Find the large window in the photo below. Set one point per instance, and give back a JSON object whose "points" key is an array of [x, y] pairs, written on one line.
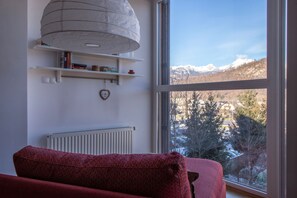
{"points": [[214, 85], [225, 126]]}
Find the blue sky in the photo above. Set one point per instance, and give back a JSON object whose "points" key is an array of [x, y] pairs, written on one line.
{"points": [[216, 31]]}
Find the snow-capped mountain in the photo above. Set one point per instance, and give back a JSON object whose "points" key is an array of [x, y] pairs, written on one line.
{"points": [[210, 68]]}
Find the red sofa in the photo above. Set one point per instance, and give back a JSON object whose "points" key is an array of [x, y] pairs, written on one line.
{"points": [[210, 183], [19, 187], [157, 180]]}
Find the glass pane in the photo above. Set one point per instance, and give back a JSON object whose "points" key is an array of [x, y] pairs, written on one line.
{"points": [[217, 40], [225, 126]]}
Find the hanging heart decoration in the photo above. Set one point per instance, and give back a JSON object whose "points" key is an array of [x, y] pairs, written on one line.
{"points": [[104, 94]]}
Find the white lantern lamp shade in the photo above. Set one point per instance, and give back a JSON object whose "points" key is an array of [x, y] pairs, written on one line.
{"points": [[95, 26]]}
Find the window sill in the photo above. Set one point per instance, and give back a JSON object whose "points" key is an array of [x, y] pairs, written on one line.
{"points": [[244, 191]]}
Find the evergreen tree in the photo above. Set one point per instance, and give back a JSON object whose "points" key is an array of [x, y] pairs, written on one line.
{"points": [[204, 134], [174, 124], [211, 124], [248, 136], [192, 142]]}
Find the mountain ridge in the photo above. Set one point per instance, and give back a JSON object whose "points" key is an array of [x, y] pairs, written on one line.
{"points": [[209, 68], [256, 69], [242, 70]]}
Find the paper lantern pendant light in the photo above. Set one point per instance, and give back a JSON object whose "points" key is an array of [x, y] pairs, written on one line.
{"points": [[95, 26]]}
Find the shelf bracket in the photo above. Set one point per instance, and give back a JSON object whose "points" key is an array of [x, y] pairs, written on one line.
{"points": [[118, 68], [58, 76]]}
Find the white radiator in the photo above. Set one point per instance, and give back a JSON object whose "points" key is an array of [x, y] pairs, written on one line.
{"points": [[95, 142]]}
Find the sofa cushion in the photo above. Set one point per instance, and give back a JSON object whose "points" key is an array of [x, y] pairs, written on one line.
{"points": [[152, 175]]}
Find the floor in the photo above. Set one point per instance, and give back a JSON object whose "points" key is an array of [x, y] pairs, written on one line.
{"points": [[231, 194]]}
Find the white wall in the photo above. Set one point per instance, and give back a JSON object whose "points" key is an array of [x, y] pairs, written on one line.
{"points": [[74, 104], [13, 80]]}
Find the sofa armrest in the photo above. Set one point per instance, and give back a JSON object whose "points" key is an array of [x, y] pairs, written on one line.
{"points": [[15, 187], [210, 183]]}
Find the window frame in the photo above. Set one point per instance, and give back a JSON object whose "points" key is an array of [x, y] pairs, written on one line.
{"points": [[275, 85]]}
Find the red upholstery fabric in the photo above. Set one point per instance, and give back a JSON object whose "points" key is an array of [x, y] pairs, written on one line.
{"points": [[151, 175], [210, 183], [18, 187]]}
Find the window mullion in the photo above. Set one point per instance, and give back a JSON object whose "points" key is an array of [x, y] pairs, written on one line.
{"points": [[165, 75], [228, 85], [275, 93]]}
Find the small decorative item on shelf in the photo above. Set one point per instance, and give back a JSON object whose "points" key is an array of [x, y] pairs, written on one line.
{"points": [[40, 42], [79, 66], [131, 71], [95, 68], [67, 60], [61, 59], [104, 68], [113, 69]]}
